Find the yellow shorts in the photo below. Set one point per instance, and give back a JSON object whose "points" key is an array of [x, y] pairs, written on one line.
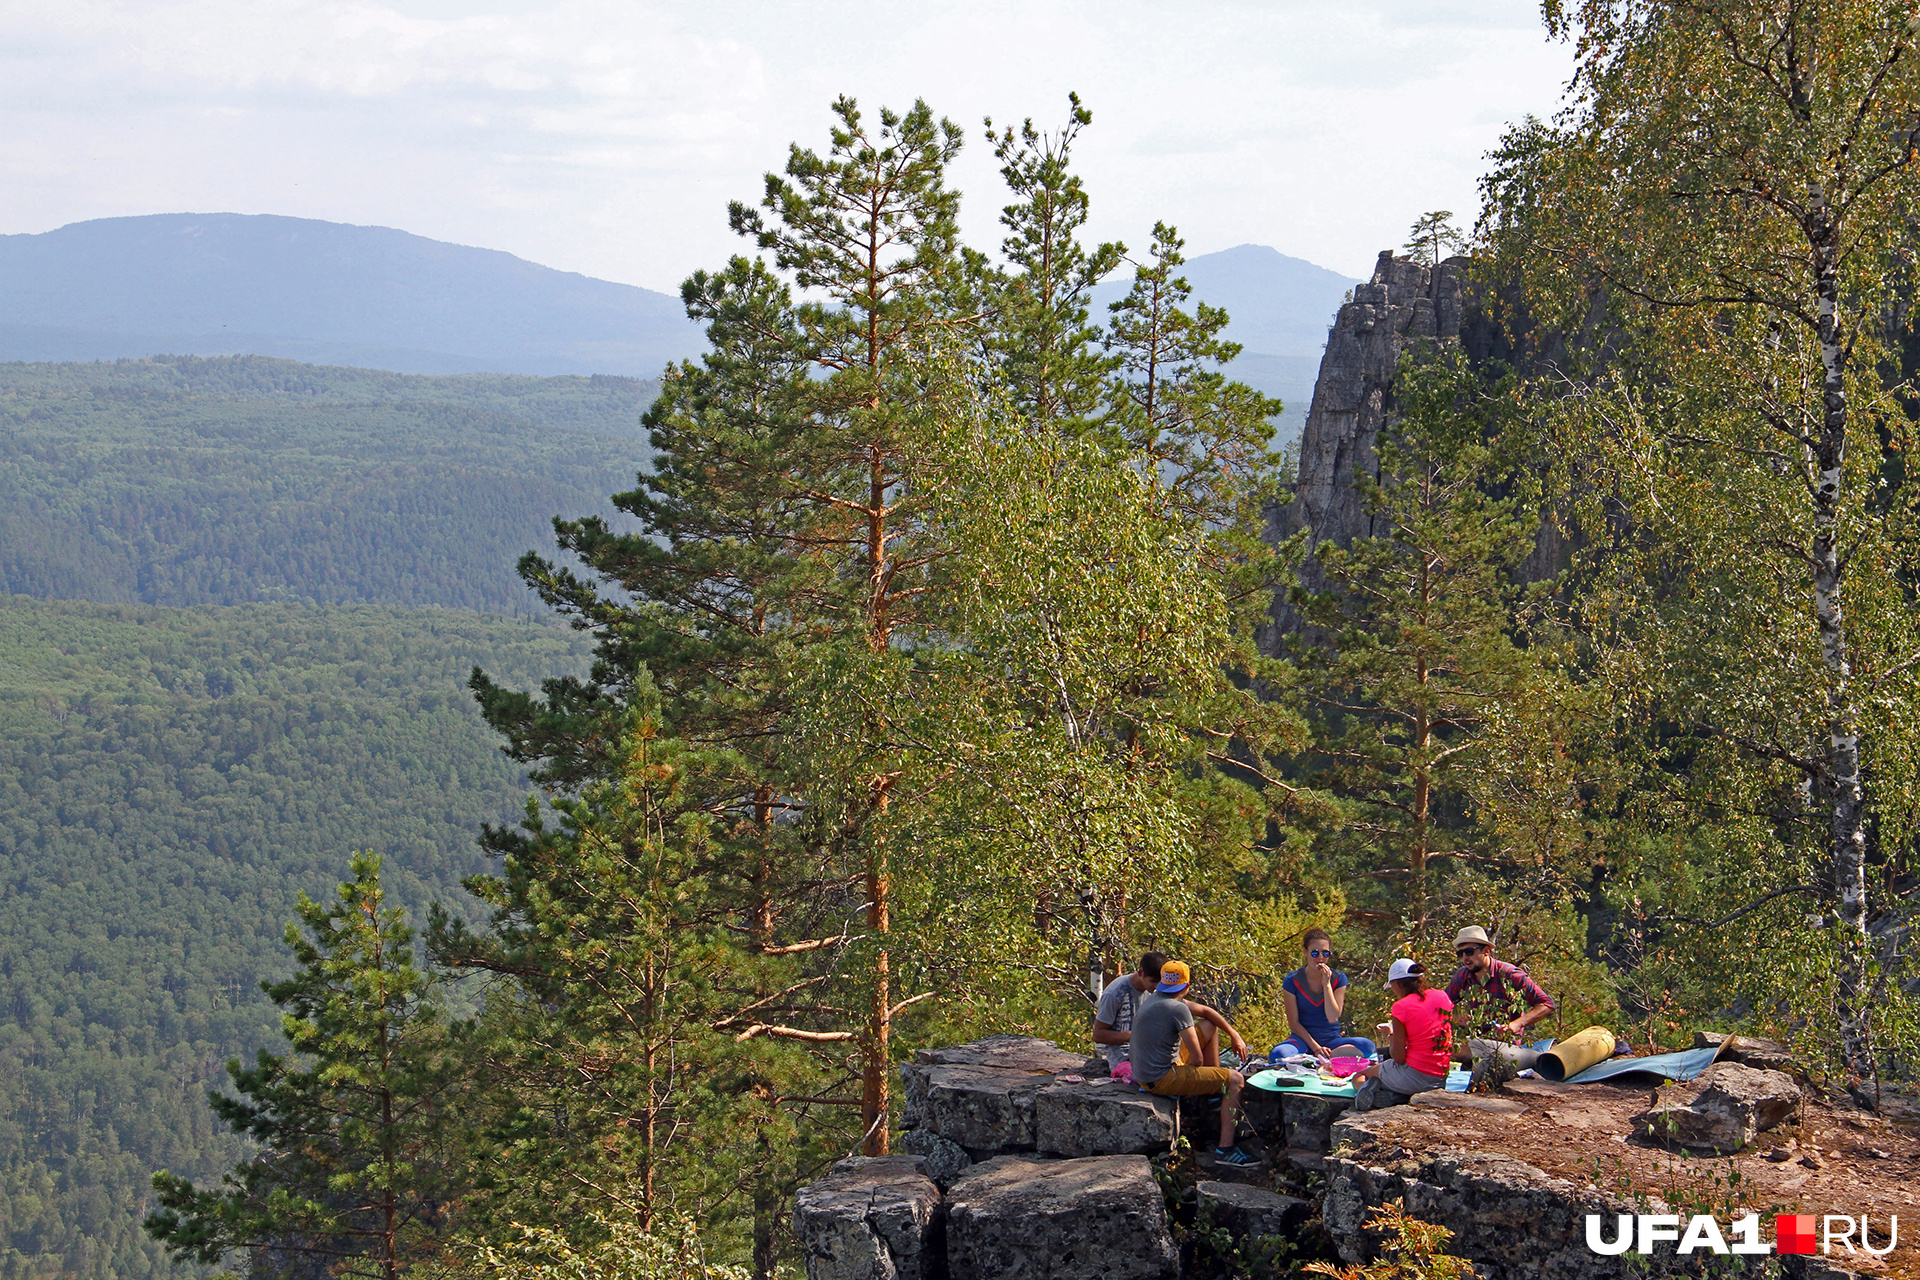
{"points": [[1191, 1082]]}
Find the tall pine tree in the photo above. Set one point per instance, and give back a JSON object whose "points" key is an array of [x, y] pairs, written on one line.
{"points": [[1038, 327]]}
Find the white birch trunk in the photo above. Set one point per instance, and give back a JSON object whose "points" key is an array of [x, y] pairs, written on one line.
{"points": [[1847, 833]]}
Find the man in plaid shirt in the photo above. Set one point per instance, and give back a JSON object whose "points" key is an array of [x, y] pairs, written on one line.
{"points": [[1495, 1000]]}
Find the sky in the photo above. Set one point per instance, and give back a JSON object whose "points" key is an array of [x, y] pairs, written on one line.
{"points": [[607, 138]]}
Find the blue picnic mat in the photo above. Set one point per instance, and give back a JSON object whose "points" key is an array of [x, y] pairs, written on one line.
{"points": [[1684, 1065], [1459, 1077], [1312, 1085]]}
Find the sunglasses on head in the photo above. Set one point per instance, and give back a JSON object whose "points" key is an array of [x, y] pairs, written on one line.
{"points": [[1317, 954]]}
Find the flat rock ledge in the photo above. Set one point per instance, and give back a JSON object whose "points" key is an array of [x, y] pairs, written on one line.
{"points": [[1512, 1220], [1095, 1218], [1009, 1172], [1003, 1095]]}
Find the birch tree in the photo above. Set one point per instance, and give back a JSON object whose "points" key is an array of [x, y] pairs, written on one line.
{"points": [[1733, 186]]}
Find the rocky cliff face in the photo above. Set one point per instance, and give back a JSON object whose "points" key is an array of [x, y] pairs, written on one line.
{"points": [[1404, 304]]}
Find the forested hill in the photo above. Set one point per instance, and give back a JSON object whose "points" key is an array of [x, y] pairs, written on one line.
{"points": [[321, 291], [185, 481], [169, 781]]}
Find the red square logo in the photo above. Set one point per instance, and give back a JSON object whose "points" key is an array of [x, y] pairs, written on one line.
{"points": [[1793, 1232]]}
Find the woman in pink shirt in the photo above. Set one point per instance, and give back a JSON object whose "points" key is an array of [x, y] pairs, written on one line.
{"points": [[1422, 1044]]}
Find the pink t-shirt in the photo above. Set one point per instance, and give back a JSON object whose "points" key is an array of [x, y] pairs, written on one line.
{"points": [[1428, 1018]]}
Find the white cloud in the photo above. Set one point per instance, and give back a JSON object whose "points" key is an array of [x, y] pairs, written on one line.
{"points": [[607, 137]]}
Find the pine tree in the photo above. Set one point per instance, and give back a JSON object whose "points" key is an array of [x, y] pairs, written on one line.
{"points": [[624, 1070], [1207, 438], [1433, 237], [783, 549], [354, 1173], [1038, 330], [1417, 658]]}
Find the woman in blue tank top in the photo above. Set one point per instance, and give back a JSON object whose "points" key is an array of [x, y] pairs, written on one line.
{"points": [[1316, 993]]}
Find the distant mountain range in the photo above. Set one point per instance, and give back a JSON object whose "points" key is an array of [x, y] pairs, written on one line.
{"points": [[374, 297], [323, 292]]}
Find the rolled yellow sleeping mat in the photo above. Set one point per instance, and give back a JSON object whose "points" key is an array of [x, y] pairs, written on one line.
{"points": [[1575, 1054]]}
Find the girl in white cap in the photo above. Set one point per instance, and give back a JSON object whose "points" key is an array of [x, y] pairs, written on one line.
{"points": [[1422, 1044]]}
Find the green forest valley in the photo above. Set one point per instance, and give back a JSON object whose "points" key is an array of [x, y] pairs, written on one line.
{"points": [[231, 480], [954, 645], [173, 779]]}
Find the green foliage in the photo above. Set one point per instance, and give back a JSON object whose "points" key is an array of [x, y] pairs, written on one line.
{"points": [[624, 1251], [353, 1170], [601, 404], [170, 781], [1077, 717], [629, 1068], [911, 606], [1413, 1249], [184, 481], [1730, 196], [1446, 718]]}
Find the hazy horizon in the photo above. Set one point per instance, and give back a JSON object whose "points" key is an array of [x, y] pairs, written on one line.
{"points": [[606, 140]]}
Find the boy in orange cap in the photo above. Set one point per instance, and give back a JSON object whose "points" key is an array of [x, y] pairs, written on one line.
{"points": [[1170, 1061]]}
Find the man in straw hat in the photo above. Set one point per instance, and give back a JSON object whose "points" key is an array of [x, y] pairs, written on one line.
{"points": [[1497, 1001]]}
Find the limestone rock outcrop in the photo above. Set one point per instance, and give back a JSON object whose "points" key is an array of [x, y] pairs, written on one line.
{"points": [[1003, 1095], [1023, 1218], [1014, 1164], [1737, 1104], [1102, 1120], [872, 1218], [941, 1160], [1251, 1212], [1512, 1220], [1748, 1051], [1405, 303]]}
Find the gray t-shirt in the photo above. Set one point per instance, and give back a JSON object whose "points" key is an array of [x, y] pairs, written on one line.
{"points": [[1156, 1035], [1117, 1002]]}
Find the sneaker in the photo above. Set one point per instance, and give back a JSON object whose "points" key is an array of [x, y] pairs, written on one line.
{"points": [[1363, 1096], [1477, 1081], [1234, 1156]]}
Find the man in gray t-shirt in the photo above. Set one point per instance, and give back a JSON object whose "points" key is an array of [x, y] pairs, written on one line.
{"points": [[1113, 1017], [1173, 1060], [1158, 1027]]}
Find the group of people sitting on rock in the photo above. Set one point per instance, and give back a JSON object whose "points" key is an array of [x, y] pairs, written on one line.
{"points": [[1151, 1031]]}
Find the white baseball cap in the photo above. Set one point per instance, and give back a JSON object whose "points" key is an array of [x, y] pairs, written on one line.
{"points": [[1403, 968]]}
